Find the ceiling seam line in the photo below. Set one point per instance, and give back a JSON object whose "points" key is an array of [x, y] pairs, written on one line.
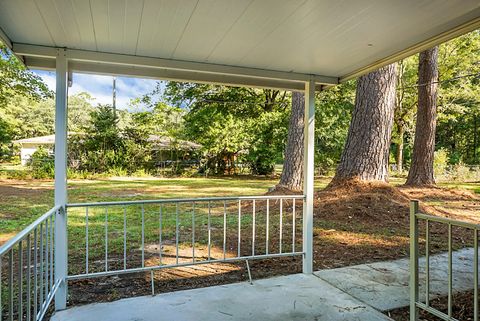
{"points": [[229, 29], [184, 29], [276, 26], [139, 27], [93, 24], [45, 23], [76, 21], [60, 20]]}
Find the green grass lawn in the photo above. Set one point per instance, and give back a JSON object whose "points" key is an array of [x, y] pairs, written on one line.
{"points": [[24, 200]]}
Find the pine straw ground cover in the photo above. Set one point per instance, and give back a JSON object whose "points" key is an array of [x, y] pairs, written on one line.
{"points": [[353, 224]]}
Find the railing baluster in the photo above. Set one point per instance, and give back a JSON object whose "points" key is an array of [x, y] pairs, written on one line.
{"points": [[193, 232], [29, 296], [209, 232], [160, 233], [52, 240], [20, 281], [35, 273], [413, 260], [475, 275], [224, 228], [47, 237], [239, 226], [427, 263], [41, 267], [267, 231], [450, 280], [143, 236], [86, 239], [176, 232], [281, 225], [10, 285], [253, 228], [293, 226], [124, 238], [106, 239], [1, 287]]}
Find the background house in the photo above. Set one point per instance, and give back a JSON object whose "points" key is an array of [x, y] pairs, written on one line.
{"points": [[28, 146], [165, 150]]}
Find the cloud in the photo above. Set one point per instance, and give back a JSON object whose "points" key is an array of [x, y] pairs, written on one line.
{"points": [[100, 87]]}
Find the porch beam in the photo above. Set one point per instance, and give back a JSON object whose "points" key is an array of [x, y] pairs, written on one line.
{"points": [[308, 174], [167, 74], [61, 178], [172, 64]]}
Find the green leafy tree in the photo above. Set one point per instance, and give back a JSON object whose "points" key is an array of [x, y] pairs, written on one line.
{"points": [[233, 123], [332, 118], [15, 80], [101, 146], [459, 99]]}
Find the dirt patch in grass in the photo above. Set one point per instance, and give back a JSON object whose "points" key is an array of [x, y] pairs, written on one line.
{"points": [[353, 224], [22, 188]]}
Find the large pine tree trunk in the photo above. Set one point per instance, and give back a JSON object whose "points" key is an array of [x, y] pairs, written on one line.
{"points": [[365, 156], [421, 169], [292, 173]]}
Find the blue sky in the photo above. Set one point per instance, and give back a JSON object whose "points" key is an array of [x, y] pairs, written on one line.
{"points": [[100, 87]]}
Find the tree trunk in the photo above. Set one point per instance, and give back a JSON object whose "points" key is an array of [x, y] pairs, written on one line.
{"points": [[421, 169], [292, 173], [365, 156], [401, 134]]}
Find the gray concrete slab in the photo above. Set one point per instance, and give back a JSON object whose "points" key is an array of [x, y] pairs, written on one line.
{"points": [[384, 285], [293, 297]]}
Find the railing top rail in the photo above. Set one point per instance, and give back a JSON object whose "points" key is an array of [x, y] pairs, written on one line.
{"points": [[20, 236], [445, 220], [187, 200]]}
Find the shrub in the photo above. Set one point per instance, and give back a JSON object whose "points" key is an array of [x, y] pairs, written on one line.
{"points": [[440, 162], [42, 164], [461, 173]]}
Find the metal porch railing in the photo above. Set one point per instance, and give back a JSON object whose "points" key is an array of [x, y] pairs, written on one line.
{"points": [[138, 236], [415, 302], [112, 238], [27, 279]]}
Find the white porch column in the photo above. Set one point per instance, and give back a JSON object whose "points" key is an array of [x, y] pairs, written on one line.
{"points": [[308, 173], [61, 177]]}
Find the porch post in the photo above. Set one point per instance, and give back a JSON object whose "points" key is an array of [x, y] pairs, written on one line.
{"points": [[308, 173], [61, 178]]}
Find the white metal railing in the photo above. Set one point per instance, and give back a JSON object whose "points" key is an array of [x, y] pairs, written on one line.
{"points": [[27, 280], [415, 302], [136, 236], [141, 236]]}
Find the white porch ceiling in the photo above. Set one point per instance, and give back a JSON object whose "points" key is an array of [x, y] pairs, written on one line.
{"points": [[333, 39]]}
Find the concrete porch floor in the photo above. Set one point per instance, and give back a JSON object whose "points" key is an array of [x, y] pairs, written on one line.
{"points": [[292, 297]]}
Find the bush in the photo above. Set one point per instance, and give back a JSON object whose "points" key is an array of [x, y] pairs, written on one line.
{"points": [[42, 164], [440, 162], [464, 173]]}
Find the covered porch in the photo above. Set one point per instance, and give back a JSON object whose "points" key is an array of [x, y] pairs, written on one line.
{"points": [[238, 43]]}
